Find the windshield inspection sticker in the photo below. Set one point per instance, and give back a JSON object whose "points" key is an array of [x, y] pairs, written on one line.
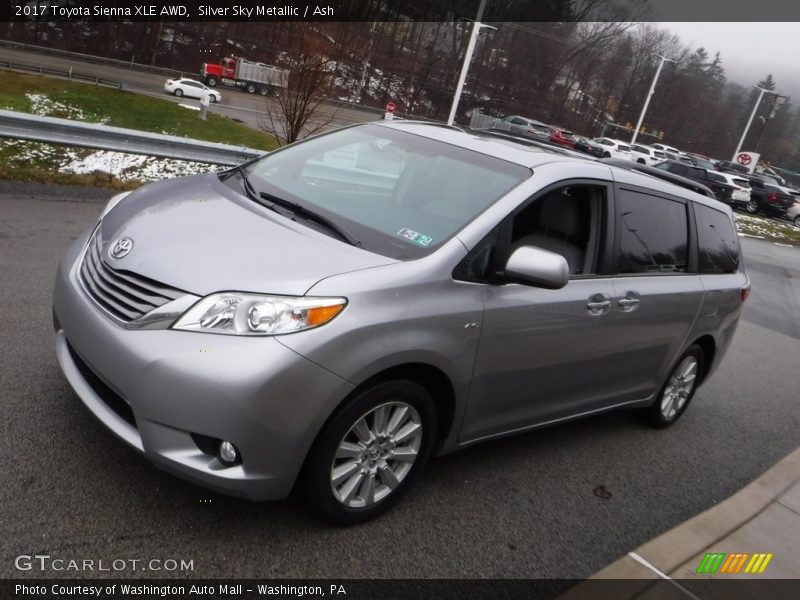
{"points": [[417, 238]]}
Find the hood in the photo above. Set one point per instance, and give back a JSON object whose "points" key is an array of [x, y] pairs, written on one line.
{"points": [[198, 235]]}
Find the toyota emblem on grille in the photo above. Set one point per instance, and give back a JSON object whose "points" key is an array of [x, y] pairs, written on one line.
{"points": [[121, 248]]}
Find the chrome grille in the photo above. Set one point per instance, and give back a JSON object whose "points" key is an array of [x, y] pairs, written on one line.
{"points": [[125, 295]]}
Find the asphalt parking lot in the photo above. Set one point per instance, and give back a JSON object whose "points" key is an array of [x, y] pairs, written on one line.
{"points": [[560, 502]]}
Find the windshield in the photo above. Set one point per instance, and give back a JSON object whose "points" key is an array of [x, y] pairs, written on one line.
{"points": [[400, 194]]}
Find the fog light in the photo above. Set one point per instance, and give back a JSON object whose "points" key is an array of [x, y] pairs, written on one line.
{"points": [[227, 453]]}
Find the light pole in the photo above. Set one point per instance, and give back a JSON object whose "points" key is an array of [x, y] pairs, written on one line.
{"points": [[473, 37], [761, 92], [650, 95], [775, 104]]}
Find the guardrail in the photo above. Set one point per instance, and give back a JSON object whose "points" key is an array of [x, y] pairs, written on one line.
{"points": [[71, 75], [65, 132], [92, 58]]}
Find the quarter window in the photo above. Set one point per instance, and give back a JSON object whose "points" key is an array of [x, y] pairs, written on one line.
{"points": [[718, 244], [653, 234]]}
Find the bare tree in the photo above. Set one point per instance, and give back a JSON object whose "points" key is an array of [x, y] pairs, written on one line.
{"points": [[295, 111]]}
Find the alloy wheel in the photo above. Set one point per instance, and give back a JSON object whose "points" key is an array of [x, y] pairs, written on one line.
{"points": [[679, 388], [376, 454]]}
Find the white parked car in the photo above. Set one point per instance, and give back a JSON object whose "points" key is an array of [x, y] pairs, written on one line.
{"points": [[670, 152], [740, 194], [191, 89], [647, 155], [614, 148], [793, 212]]}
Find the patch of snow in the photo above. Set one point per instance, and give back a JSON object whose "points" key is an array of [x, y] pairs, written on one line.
{"points": [[128, 167], [43, 105]]}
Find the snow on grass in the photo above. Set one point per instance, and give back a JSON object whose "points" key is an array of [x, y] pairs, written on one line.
{"points": [[80, 161], [128, 167], [762, 227], [43, 105]]}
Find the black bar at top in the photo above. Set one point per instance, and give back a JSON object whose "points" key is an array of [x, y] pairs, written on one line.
{"points": [[400, 10]]}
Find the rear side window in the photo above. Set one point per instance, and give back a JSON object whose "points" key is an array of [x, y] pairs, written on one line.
{"points": [[654, 235], [673, 168], [717, 241], [717, 178], [696, 173]]}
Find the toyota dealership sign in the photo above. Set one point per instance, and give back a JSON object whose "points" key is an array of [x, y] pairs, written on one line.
{"points": [[747, 159]]}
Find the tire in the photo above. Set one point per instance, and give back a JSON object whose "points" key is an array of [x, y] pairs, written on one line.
{"points": [[212, 98], [797, 221], [674, 397], [178, 92], [349, 476], [251, 88], [751, 207], [641, 161], [211, 82], [606, 154]]}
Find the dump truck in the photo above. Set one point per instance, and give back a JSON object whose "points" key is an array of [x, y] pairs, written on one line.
{"points": [[252, 77]]}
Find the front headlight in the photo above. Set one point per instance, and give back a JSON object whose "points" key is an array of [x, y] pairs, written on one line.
{"points": [[235, 313], [113, 202]]}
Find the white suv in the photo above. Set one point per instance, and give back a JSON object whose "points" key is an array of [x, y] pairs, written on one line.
{"points": [[740, 194], [613, 148], [670, 152], [647, 155]]}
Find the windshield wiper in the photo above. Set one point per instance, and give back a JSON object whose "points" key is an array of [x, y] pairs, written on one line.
{"points": [[308, 214]]}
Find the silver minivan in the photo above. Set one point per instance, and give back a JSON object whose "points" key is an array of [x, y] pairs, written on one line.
{"points": [[330, 316]]}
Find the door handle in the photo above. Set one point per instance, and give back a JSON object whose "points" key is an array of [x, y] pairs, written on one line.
{"points": [[598, 304], [629, 302]]}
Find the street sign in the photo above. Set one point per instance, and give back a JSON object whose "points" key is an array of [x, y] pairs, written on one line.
{"points": [[747, 159], [389, 114]]}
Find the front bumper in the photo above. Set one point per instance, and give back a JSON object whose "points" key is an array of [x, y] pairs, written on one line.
{"points": [[255, 392]]}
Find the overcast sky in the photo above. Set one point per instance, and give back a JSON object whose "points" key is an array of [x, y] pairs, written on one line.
{"points": [[750, 50]]}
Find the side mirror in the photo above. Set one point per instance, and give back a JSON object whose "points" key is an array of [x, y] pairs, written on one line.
{"points": [[533, 266]]}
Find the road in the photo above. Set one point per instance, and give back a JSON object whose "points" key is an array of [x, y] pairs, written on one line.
{"points": [[249, 109], [527, 506]]}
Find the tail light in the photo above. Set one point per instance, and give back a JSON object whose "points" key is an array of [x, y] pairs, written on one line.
{"points": [[745, 292], [773, 197], [736, 188]]}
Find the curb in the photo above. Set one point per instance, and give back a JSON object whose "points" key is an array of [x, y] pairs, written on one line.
{"points": [[662, 555]]}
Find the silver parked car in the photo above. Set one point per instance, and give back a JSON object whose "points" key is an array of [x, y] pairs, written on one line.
{"points": [[333, 314], [529, 128]]}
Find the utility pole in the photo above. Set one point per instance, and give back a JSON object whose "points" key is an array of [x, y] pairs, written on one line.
{"points": [[777, 101], [473, 37], [650, 95], [761, 92]]}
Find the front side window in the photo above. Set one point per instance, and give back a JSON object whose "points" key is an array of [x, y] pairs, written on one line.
{"points": [[654, 235], [398, 193], [717, 241]]}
